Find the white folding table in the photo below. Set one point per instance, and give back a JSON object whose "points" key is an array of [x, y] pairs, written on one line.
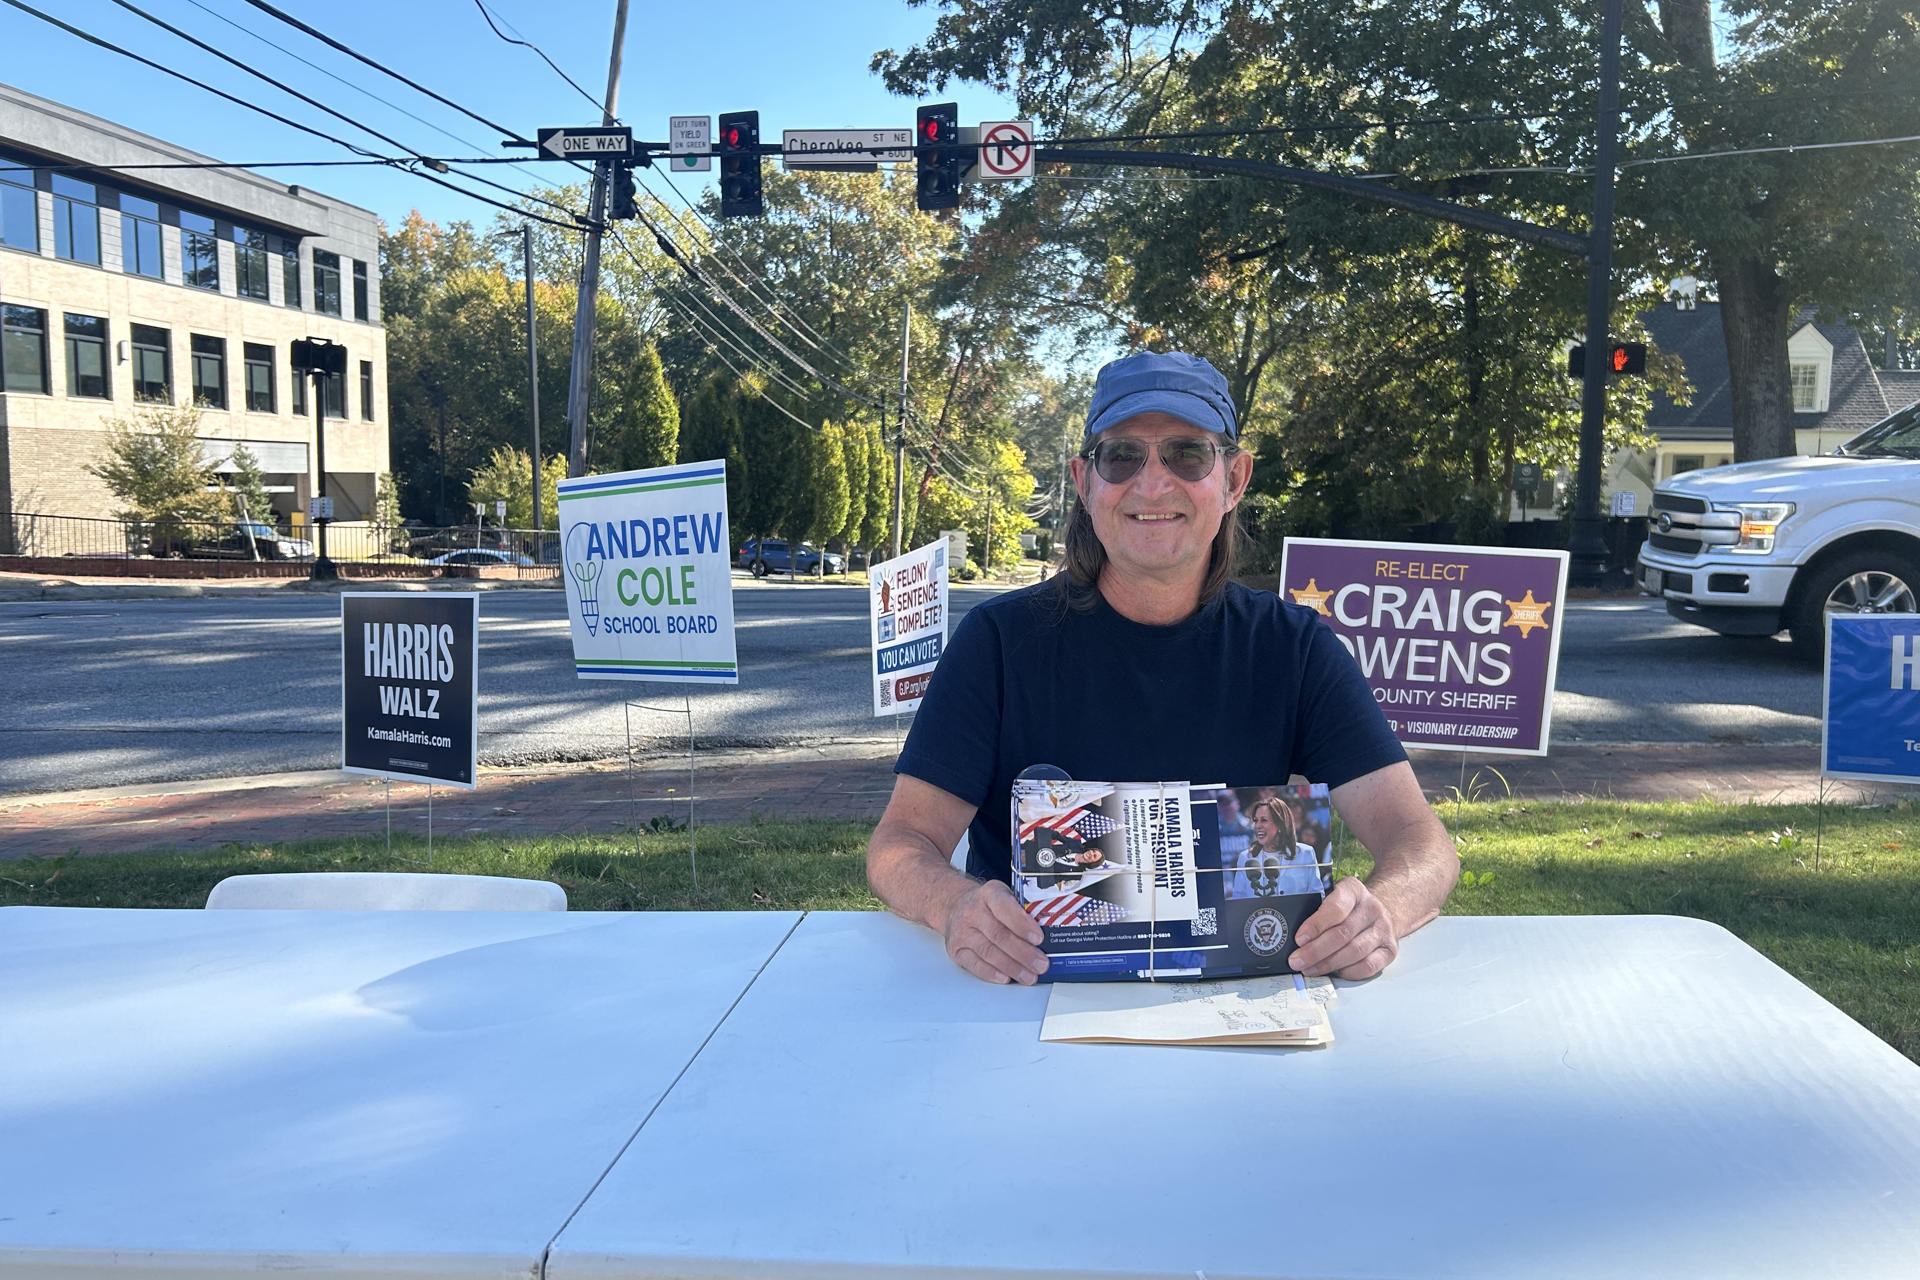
{"points": [[385, 1093], [1568, 1097]]}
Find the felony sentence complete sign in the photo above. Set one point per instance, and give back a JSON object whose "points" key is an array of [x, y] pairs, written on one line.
{"points": [[410, 685], [1460, 645]]}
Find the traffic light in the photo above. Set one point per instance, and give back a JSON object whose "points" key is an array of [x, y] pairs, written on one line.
{"points": [[623, 202], [938, 156], [739, 146], [1623, 358]]}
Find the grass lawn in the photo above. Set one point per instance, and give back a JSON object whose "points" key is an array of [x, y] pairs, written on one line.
{"points": [[1846, 923]]}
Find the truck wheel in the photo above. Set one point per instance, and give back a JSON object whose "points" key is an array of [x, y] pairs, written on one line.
{"points": [[1858, 582]]}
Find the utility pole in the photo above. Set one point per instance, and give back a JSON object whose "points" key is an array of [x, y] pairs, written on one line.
{"points": [[900, 440], [580, 377], [1588, 564], [533, 390]]}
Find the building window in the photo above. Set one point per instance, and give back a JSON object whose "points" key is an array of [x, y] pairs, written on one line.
{"points": [[1806, 387], [87, 357], [199, 252], [250, 263], [19, 210], [1684, 462], [300, 409], [366, 390], [259, 378], [140, 236], [152, 364], [359, 290], [76, 220], [326, 282], [336, 397], [289, 251], [23, 348], [209, 371]]}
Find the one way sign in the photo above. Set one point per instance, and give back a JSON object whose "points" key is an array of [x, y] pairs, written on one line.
{"points": [[585, 142]]}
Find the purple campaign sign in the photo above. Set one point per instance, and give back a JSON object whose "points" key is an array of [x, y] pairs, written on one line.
{"points": [[1460, 644]]}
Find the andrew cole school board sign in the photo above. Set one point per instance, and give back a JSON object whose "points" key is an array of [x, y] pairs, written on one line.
{"points": [[649, 574], [1459, 644], [410, 686], [1870, 726]]}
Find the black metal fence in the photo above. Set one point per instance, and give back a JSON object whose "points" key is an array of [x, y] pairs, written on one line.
{"points": [[524, 552]]}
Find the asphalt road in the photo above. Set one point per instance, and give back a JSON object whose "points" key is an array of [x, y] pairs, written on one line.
{"points": [[105, 693]]}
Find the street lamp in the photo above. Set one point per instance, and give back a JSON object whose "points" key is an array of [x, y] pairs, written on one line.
{"points": [[321, 358]]}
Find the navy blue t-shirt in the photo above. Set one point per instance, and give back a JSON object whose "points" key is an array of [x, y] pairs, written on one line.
{"points": [[1248, 692]]}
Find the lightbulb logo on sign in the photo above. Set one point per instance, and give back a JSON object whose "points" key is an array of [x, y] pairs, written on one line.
{"points": [[649, 575]]}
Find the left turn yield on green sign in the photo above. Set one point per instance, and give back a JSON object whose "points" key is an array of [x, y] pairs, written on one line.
{"points": [[410, 686], [649, 574]]}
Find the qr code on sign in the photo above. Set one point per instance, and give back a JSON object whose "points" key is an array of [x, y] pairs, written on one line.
{"points": [[886, 693], [1207, 923]]}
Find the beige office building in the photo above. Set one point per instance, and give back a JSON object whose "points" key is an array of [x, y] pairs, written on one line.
{"points": [[122, 287]]}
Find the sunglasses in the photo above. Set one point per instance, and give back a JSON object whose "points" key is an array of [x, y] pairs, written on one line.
{"points": [[1187, 457]]}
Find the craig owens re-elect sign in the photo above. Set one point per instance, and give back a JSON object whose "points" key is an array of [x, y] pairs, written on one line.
{"points": [[1459, 644], [1870, 724], [909, 625], [649, 574], [410, 685]]}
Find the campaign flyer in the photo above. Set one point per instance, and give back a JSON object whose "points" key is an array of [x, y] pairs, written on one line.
{"points": [[1162, 881]]}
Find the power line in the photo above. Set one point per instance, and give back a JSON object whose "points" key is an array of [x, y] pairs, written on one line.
{"points": [[381, 67], [597, 104], [362, 89], [404, 166]]}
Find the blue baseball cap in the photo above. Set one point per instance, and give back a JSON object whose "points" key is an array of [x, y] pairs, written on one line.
{"points": [[1170, 382]]}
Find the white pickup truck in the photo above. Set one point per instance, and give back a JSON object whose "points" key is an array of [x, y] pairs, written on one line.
{"points": [[1754, 548]]}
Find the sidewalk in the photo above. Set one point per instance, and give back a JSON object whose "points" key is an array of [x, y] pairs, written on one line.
{"points": [[850, 780]]}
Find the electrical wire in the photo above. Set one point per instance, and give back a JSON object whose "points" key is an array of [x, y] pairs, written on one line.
{"points": [[404, 167], [597, 104]]}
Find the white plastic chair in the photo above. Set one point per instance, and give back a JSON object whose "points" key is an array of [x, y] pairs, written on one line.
{"points": [[384, 891]]}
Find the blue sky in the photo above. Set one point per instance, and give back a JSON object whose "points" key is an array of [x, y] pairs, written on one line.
{"points": [[801, 66]]}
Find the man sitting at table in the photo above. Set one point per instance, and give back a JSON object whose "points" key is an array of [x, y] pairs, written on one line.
{"points": [[1144, 662]]}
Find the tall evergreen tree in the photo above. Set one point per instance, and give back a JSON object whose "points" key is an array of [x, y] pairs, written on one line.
{"points": [[829, 485], [650, 427]]}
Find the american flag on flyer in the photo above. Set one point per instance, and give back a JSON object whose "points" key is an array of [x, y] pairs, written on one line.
{"points": [[1080, 823], [1075, 908]]}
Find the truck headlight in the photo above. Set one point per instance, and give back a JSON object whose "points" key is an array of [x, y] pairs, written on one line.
{"points": [[1759, 522]]}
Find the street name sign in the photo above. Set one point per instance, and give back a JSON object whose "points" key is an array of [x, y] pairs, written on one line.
{"points": [[410, 686], [686, 136], [845, 150], [1006, 150], [585, 142], [1870, 718]]}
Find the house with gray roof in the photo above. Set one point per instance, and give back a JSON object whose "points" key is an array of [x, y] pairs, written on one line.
{"points": [[1837, 393]]}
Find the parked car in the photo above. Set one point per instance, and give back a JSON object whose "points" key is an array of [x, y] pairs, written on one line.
{"points": [[482, 556], [761, 556], [241, 539], [1750, 549]]}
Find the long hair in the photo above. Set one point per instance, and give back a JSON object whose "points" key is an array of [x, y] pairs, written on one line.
{"points": [[1086, 557], [1283, 820]]}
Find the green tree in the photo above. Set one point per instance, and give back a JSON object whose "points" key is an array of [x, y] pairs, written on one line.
{"points": [[710, 429], [507, 476], [649, 430], [154, 465], [829, 486], [247, 486], [853, 448], [879, 523]]}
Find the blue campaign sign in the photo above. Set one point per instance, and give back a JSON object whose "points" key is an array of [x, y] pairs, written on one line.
{"points": [[1871, 726]]}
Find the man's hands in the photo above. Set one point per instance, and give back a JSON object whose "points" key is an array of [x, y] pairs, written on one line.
{"points": [[1351, 935], [990, 937]]}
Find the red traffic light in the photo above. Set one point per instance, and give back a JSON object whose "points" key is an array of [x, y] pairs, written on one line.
{"points": [[730, 136], [931, 128]]}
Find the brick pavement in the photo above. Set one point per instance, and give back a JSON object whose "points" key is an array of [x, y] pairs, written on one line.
{"points": [[844, 780]]}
